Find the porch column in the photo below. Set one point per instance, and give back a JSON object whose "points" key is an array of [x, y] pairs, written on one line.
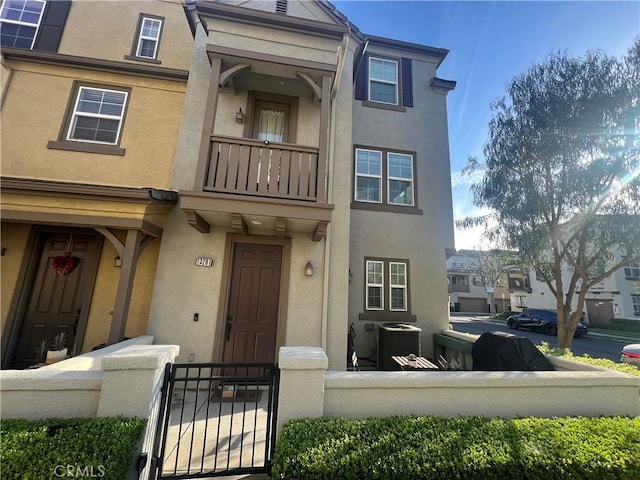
{"points": [[130, 255], [302, 371], [209, 121], [323, 142]]}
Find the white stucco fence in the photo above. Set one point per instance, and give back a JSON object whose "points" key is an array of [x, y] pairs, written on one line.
{"points": [[118, 380], [308, 390]]}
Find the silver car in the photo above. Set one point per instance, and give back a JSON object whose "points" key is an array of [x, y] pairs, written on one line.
{"points": [[631, 354]]}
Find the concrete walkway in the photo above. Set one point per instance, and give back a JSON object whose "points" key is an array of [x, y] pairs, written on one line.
{"points": [[206, 435]]}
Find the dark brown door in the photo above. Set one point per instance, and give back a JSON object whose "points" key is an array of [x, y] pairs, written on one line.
{"points": [[252, 321], [56, 301], [271, 121]]}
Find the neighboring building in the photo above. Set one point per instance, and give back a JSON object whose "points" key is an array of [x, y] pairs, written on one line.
{"points": [[319, 148], [309, 163], [472, 274], [618, 296], [92, 96]]}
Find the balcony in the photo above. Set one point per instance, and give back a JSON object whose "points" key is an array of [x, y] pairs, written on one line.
{"points": [[241, 166], [257, 187]]}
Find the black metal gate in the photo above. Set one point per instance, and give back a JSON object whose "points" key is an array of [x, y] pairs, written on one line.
{"points": [[216, 419]]}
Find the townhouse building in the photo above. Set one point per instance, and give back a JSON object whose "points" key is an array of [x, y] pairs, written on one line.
{"points": [[271, 177], [92, 96]]}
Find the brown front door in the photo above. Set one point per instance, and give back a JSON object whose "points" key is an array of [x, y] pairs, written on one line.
{"points": [[58, 303], [252, 320]]}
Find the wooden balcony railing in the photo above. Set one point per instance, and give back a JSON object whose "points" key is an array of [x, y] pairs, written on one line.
{"points": [[253, 167]]}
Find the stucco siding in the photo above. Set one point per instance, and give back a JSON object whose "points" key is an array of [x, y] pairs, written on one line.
{"points": [[35, 108], [14, 241], [106, 29], [422, 238]]}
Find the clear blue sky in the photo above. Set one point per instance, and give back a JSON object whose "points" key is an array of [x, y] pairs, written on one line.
{"points": [[490, 43]]}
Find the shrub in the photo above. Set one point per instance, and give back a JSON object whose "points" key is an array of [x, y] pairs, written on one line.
{"points": [[64, 448], [599, 362], [463, 448], [504, 315]]}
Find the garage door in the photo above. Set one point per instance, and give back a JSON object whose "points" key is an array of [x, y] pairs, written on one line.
{"points": [[478, 305], [600, 312]]}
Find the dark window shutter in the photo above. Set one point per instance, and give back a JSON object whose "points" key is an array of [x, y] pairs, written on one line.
{"points": [[52, 25], [362, 78], [407, 83]]}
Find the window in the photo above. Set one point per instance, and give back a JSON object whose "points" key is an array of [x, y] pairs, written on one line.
{"points": [[384, 180], [147, 39], [93, 121], [97, 116], [386, 290], [383, 81], [521, 301], [368, 176], [635, 299], [632, 271], [375, 285], [19, 22], [398, 286]]}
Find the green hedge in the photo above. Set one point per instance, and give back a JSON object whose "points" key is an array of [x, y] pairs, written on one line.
{"points": [[462, 448], [599, 362], [68, 448]]}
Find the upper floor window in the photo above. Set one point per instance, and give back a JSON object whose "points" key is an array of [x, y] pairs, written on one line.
{"points": [[384, 179], [632, 271], [147, 39], [383, 80], [94, 119], [20, 21], [97, 116]]}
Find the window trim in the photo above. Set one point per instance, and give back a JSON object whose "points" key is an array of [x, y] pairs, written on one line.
{"points": [[26, 24], [376, 285], [133, 55], [64, 143], [405, 83], [405, 287], [384, 204], [386, 313], [397, 82], [630, 271], [255, 96], [635, 303], [357, 175], [389, 178]]}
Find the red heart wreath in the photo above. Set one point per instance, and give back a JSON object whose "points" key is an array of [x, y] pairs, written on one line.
{"points": [[63, 264]]}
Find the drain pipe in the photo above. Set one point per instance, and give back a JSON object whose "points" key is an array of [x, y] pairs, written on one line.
{"points": [[327, 238]]}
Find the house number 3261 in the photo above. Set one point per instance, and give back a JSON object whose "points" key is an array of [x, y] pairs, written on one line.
{"points": [[204, 262]]}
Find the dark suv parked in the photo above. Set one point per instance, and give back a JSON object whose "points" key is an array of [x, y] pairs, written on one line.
{"points": [[541, 319]]}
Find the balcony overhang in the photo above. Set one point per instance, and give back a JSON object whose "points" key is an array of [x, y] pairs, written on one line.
{"points": [[254, 215], [237, 63]]}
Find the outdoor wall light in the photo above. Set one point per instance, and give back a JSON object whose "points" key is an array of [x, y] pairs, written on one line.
{"points": [[308, 269], [117, 262], [239, 116], [350, 276]]}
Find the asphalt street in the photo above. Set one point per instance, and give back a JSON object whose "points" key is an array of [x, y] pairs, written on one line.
{"points": [[593, 344]]}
